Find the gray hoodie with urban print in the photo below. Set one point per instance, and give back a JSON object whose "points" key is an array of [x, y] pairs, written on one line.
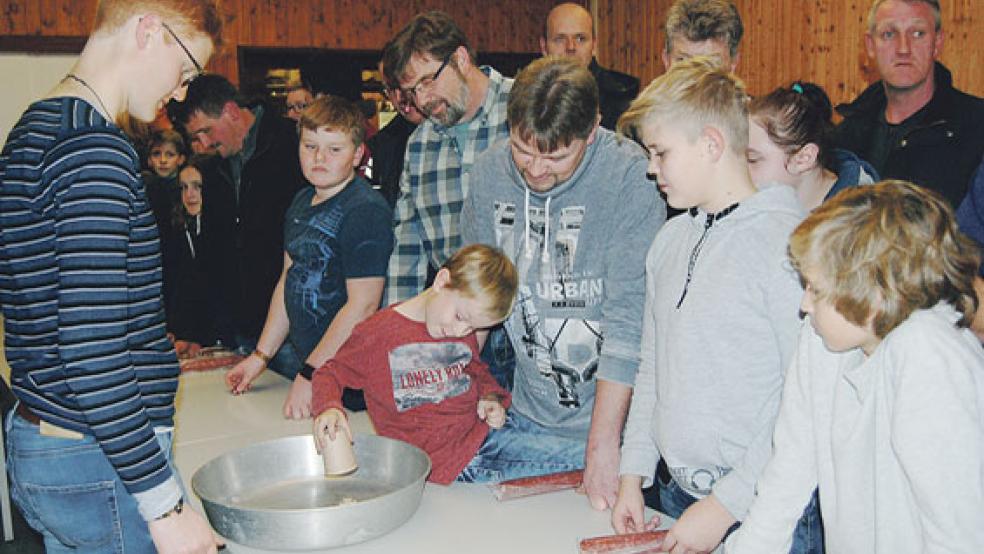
{"points": [[580, 250]]}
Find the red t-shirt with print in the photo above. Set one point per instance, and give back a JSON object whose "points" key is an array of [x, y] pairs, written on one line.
{"points": [[418, 389]]}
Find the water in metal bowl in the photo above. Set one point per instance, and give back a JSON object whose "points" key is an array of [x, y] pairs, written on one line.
{"points": [[274, 495]]}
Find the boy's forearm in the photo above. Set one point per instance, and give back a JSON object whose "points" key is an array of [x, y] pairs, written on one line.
{"points": [[326, 392], [277, 324]]}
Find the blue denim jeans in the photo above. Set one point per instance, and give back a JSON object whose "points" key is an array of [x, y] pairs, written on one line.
{"points": [[807, 537], [522, 448], [499, 355], [68, 491]]}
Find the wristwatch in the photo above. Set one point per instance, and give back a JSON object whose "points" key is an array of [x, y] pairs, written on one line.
{"points": [[175, 510], [307, 371]]}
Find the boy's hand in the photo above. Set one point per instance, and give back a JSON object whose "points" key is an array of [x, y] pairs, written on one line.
{"points": [[238, 378], [628, 513], [298, 403], [700, 528], [490, 411], [327, 426]]}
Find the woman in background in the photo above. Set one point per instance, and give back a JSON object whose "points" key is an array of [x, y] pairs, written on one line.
{"points": [[790, 143]]}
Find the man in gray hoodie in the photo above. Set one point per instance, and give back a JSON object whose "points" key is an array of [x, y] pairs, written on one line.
{"points": [[571, 204]]}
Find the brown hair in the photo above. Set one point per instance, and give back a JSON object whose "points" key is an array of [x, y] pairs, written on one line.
{"points": [[893, 245], [553, 102], [179, 216], [168, 136], [694, 93], [335, 114], [203, 17], [433, 33], [796, 116], [480, 271], [700, 20]]}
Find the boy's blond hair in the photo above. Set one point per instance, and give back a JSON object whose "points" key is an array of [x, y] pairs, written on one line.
{"points": [[482, 272], [694, 94], [188, 17], [886, 250], [335, 114]]}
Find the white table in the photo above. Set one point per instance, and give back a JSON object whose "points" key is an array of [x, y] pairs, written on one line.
{"points": [[454, 519]]}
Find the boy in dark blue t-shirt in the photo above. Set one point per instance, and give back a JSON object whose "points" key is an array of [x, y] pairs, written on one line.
{"points": [[337, 242]]}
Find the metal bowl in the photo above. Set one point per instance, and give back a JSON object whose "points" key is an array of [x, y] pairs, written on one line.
{"points": [[274, 495]]}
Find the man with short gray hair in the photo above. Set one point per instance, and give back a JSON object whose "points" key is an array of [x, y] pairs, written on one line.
{"points": [[703, 28], [913, 124]]}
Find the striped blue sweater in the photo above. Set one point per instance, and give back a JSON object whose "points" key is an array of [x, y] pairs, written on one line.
{"points": [[80, 288]]}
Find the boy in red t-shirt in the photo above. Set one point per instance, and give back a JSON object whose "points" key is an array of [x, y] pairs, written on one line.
{"points": [[418, 365]]}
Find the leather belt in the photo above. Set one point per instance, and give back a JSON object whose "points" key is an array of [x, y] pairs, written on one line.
{"points": [[27, 415]]}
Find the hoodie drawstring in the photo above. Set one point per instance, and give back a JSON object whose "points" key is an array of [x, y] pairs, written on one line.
{"points": [[545, 254], [527, 251], [198, 231], [711, 218]]}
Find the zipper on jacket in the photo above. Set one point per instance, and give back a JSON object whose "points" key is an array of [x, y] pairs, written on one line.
{"points": [[711, 218]]}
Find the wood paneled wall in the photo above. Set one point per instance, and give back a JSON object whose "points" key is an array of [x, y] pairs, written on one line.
{"points": [[818, 40], [815, 40], [499, 26]]}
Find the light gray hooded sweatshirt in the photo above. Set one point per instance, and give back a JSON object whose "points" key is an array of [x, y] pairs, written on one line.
{"points": [[715, 349], [578, 313]]}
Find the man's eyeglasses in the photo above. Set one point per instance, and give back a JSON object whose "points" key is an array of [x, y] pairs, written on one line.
{"points": [[199, 71], [425, 83], [300, 106]]}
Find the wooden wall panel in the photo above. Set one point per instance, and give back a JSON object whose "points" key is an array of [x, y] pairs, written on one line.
{"points": [[500, 26], [819, 40], [785, 40]]}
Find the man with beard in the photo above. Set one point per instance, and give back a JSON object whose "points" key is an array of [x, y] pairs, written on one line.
{"points": [[465, 107]]}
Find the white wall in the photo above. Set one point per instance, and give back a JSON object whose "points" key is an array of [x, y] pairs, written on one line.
{"points": [[27, 77]]}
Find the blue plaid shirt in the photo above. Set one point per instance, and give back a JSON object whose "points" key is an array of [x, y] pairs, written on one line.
{"points": [[433, 189]]}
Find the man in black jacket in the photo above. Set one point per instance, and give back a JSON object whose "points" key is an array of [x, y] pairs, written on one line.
{"points": [[246, 195], [913, 124], [389, 145], [569, 31]]}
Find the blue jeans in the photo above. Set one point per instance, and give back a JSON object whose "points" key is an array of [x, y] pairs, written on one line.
{"points": [[68, 491], [807, 537], [522, 448], [498, 353]]}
